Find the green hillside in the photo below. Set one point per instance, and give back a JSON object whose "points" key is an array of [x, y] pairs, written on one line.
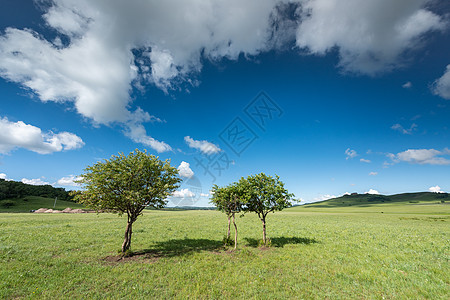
{"points": [[423, 202], [28, 203]]}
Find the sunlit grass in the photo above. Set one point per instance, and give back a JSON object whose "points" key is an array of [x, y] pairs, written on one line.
{"points": [[338, 255]]}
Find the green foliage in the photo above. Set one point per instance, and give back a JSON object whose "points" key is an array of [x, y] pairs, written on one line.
{"points": [[227, 241], [264, 194], [228, 199], [10, 189], [7, 203], [128, 184]]}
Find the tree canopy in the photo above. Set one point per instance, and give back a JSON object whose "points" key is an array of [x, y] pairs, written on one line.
{"points": [[128, 184]]}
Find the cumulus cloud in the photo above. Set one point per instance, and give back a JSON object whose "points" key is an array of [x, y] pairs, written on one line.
{"points": [[36, 181], [421, 156], [324, 197], [365, 160], [373, 173], [372, 192], [441, 86], [3, 176], [20, 135], [403, 130], [204, 195], [184, 170], [436, 189], [204, 146], [350, 153], [370, 36], [68, 181], [105, 48], [183, 193]]}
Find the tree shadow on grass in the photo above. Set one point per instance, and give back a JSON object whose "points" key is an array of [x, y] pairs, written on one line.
{"points": [[281, 241], [170, 248]]}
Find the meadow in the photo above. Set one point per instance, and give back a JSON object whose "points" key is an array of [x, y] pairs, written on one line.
{"points": [[316, 252]]}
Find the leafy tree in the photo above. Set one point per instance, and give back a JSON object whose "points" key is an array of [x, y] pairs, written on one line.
{"points": [[128, 184], [264, 194], [228, 199]]}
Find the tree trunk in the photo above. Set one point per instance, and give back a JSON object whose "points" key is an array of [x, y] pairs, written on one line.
{"points": [[263, 220], [229, 227], [235, 233], [127, 241]]}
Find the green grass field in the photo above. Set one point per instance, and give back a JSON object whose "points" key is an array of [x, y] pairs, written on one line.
{"points": [[336, 253]]}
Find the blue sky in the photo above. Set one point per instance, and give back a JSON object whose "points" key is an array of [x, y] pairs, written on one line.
{"points": [[353, 95]]}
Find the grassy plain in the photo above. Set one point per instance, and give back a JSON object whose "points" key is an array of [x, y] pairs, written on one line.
{"points": [[336, 253]]}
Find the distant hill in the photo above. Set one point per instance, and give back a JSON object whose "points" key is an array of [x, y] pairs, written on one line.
{"points": [[28, 203], [369, 199], [10, 189]]}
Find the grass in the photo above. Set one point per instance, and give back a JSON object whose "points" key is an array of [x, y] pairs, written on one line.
{"points": [[325, 253], [29, 203]]}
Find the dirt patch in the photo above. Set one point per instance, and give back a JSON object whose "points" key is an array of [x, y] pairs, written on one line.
{"points": [[67, 210]]}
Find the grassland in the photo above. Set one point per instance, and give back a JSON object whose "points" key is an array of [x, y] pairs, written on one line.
{"points": [[336, 253]]}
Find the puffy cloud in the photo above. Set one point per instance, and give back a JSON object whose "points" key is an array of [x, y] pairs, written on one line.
{"points": [[403, 130], [422, 156], [3, 176], [350, 153], [68, 181], [372, 192], [441, 86], [204, 195], [36, 181], [370, 36], [183, 193], [184, 170], [436, 189], [365, 160], [104, 48], [373, 173], [204, 146], [20, 135]]}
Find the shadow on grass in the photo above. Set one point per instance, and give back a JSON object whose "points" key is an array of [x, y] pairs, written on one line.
{"points": [[281, 241], [178, 247]]}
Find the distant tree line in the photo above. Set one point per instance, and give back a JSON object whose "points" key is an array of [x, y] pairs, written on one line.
{"points": [[14, 189]]}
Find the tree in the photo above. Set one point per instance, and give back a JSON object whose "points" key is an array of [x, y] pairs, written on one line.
{"points": [[128, 184], [228, 199], [264, 194]]}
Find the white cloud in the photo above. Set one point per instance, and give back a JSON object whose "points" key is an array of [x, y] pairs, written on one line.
{"points": [[441, 86], [68, 181], [204, 195], [403, 130], [184, 170], [36, 181], [4, 176], [204, 146], [373, 173], [407, 85], [372, 192], [103, 48], [436, 189], [20, 135], [183, 193], [350, 153], [421, 156], [370, 36], [365, 160]]}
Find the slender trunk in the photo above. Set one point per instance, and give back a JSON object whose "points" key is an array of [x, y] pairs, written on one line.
{"points": [[235, 233], [229, 226], [264, 229], [127, 241]]}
